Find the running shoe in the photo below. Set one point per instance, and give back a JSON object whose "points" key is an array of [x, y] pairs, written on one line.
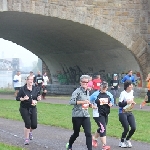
{"points": [[105, 147], [128, 143], [26, 142], [30, 136], [94, 143], [67, 147], [123, 145], [119, 144]]}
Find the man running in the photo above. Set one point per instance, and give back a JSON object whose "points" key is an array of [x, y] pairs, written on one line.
{"points": [[17, 82]]}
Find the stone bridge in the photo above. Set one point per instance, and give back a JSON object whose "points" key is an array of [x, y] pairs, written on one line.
{"points": [[75, 37]]}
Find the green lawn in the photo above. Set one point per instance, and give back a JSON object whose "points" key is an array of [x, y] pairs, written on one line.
{"points": [[6, 91], [60, 115], [9, 147]]}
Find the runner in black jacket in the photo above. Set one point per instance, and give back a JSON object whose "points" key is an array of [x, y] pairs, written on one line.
{"points": [[103, 104], [28, 95], [38, 80]]}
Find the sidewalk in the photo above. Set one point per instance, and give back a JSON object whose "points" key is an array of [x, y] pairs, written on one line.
{"points": [[51, 138]]}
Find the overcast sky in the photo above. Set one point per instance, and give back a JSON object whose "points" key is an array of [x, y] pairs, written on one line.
{"points": [[12, 50]]}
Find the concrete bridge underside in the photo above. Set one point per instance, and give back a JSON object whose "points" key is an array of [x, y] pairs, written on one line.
{"points": [[67, 47], [81, 36]]}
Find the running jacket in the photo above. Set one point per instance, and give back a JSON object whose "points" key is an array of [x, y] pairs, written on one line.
{"points": [[80, 94], [38, 79], [102, 102], [31, 94], [93, 97], [128, 77], [115, 84]]}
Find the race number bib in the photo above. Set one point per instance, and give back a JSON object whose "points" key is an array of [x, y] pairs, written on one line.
{"points": [[115, 84], [85, 106], [98, 84], [103, 101], [39, 81]]}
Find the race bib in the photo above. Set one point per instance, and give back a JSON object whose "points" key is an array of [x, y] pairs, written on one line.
{"points": [[98, 84], [115, 84], [103, 101], [39, 81], [85, 106]]}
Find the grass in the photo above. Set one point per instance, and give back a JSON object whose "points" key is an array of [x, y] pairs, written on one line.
{"points": [[6, 91], [9, 147], [60, 115]]}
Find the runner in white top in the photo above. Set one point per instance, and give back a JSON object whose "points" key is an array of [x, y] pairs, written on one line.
{"points": [[46, 79], [17, 82], [126, 117]]}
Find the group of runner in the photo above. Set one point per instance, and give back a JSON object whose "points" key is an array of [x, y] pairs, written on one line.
{"points": [[94, 95], [39, 80], [100, 100]]}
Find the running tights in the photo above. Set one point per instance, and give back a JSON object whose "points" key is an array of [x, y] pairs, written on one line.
{"points": [[86, 124], [127, 119], [29, 115], [101, 122]]}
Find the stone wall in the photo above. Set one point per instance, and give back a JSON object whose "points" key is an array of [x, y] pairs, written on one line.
{"points": [[68, 89], [60, 89], [125, 20]]}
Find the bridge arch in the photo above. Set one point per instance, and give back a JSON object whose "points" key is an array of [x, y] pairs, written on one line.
{"points": [[122, 28]]}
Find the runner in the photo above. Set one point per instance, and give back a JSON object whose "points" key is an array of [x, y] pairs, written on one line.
{"points": [[28, 95], [114, 87], [147, 97], [17, 82], [129, 77], [96, 83], [80, 115], [103, 100], [45, 78], [90, 85], [38, 80], [126, 118]]}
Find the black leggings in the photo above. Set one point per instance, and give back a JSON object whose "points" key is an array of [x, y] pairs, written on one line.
{"points": [[148, 97], [127, 119], [101, 122], [29, 115], [86, 124]]}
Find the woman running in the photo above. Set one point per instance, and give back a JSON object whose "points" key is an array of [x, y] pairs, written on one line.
{"points": [[80, 115], [126, 118], [101, 99], [28, 95], [114, 87], [147, 97]]}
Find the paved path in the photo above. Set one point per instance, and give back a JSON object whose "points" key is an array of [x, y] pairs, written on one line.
{"points": [[51, 138]]}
